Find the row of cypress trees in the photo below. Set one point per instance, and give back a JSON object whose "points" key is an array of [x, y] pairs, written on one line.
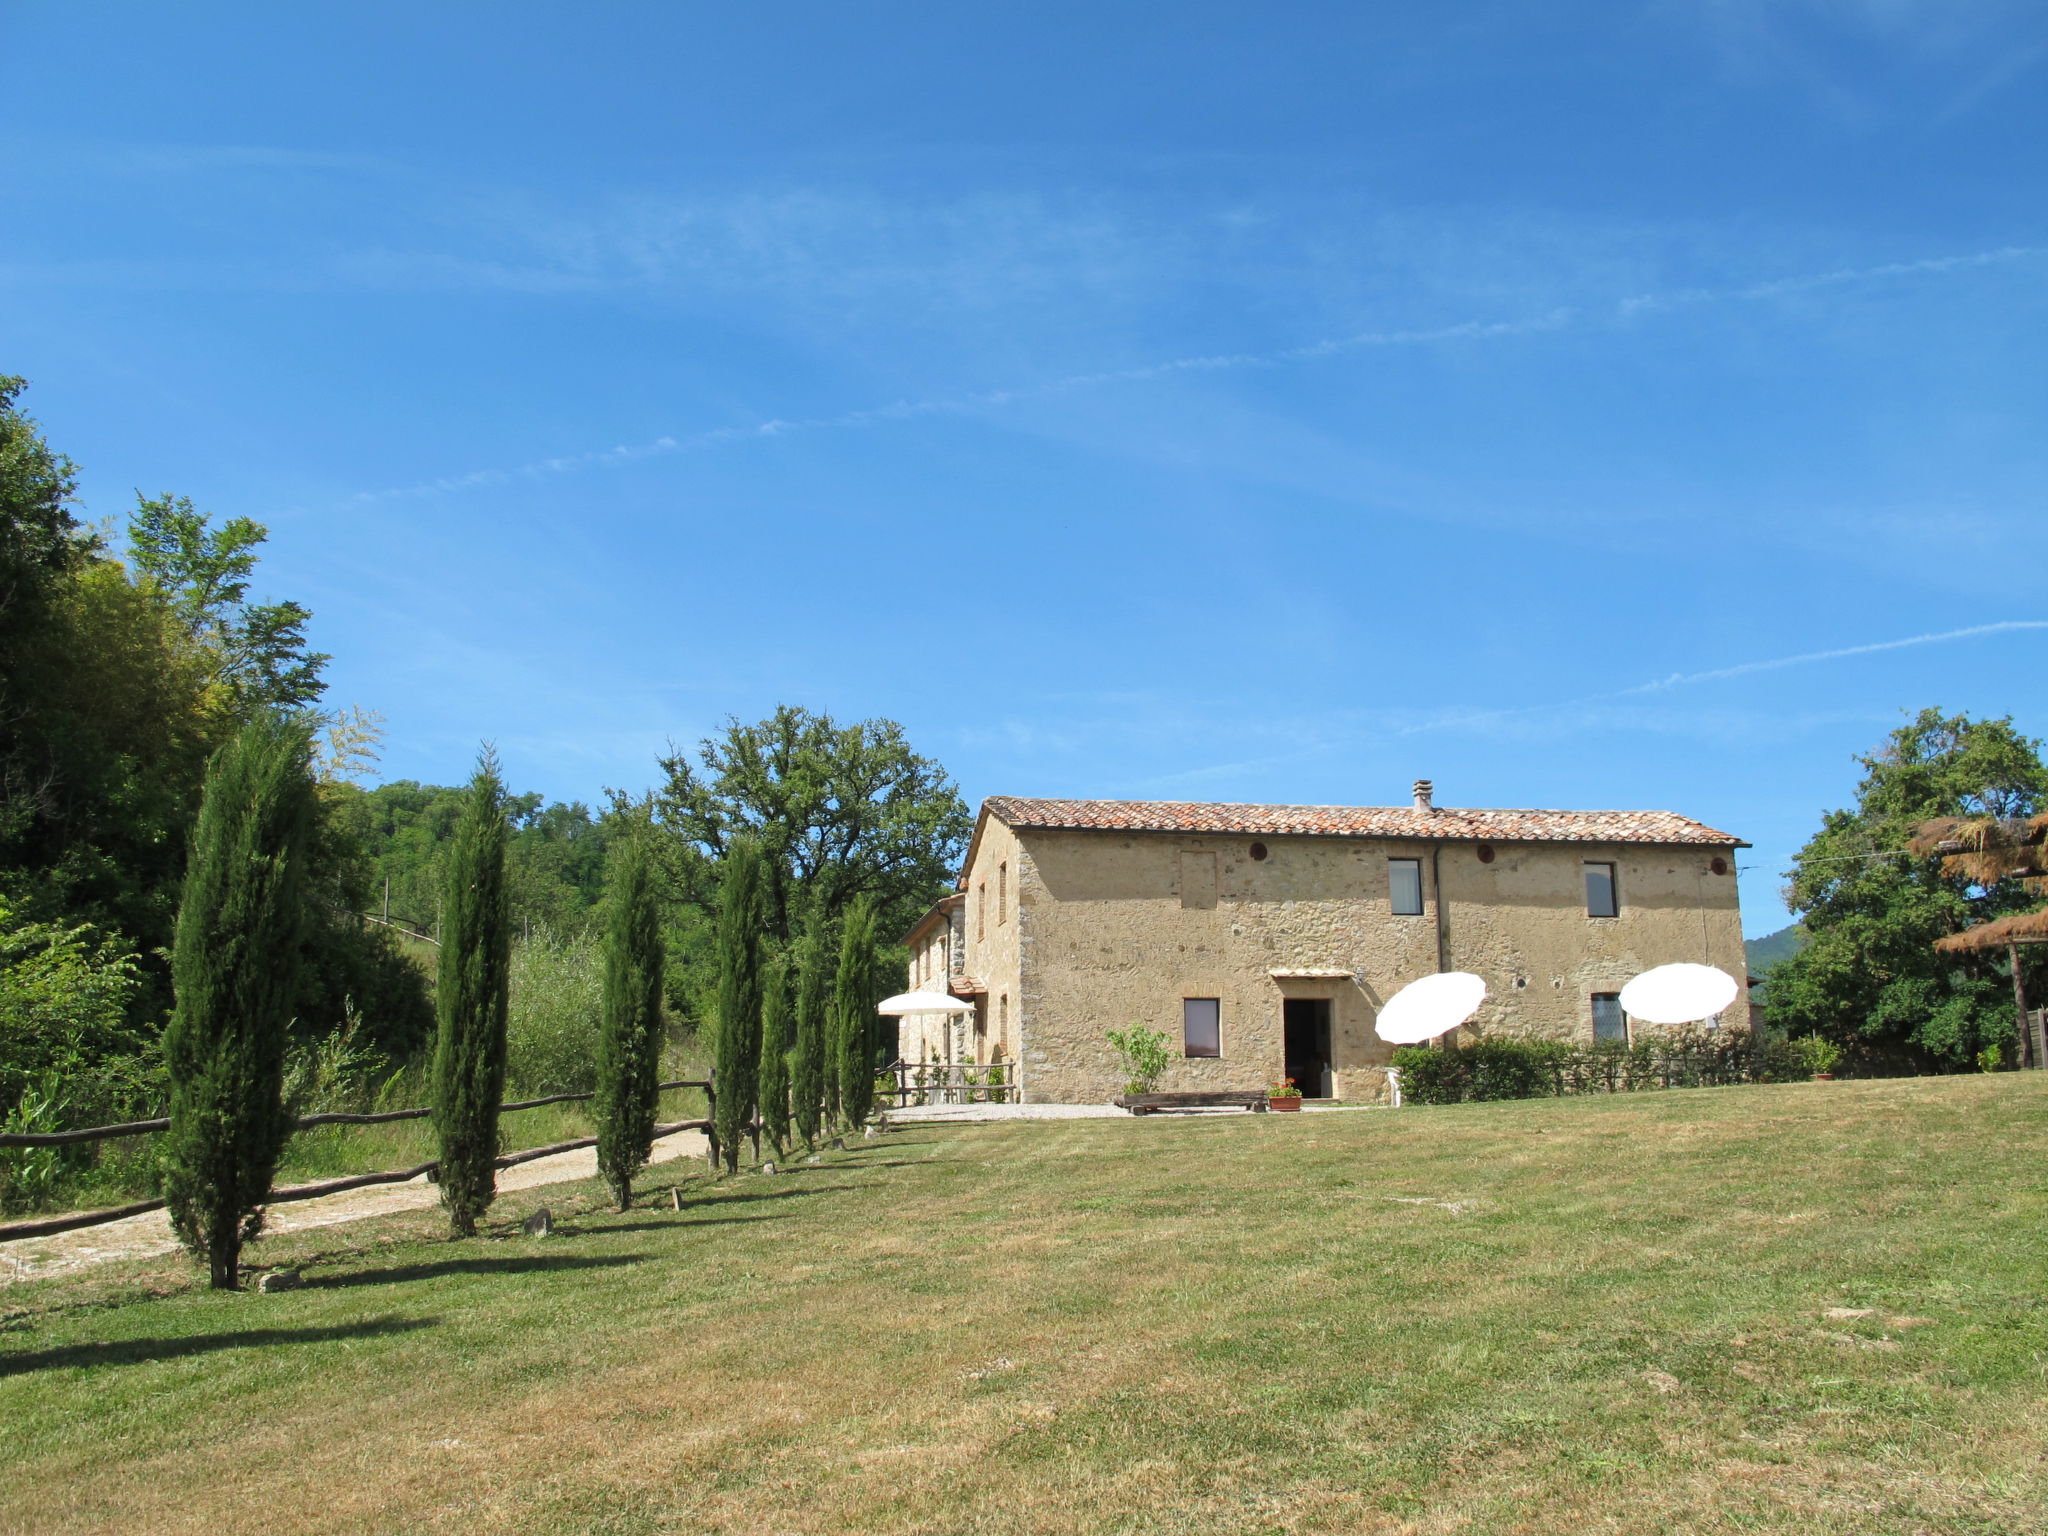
{"points": [[234, 968], [794, 1049]]}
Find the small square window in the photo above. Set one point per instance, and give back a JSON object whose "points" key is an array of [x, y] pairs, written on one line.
{"points": [[1601, 900], [1609, 1022], [1201, 1026], [1404, 886]]}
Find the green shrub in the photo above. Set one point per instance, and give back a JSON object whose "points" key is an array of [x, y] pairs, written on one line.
{"points": [[64, 999], [1502, 1067], [1517, 1069], [29, 1176], [557, 998], [1817, 1053], [1142, 1054]]}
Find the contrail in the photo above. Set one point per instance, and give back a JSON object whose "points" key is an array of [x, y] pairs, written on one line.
{"points": [[1470, 330], [2004, 626], [1743, 669]]}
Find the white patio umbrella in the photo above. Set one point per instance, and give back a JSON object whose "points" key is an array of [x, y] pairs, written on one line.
{"points": [[1679, 994], [922, 1002], [1430, 1007]]}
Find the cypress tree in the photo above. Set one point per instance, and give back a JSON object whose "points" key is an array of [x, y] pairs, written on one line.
{"points": [[234, 968], [809, 1063], [742, 917], [775, 1051], [630, 1028], [852, 1002], [469, 1045]]}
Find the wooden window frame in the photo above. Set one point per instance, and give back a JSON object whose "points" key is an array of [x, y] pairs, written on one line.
{"points": [[1189, 1054]]}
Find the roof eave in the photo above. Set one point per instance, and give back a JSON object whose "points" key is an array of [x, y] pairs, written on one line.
{"points": [[1718, 840]]}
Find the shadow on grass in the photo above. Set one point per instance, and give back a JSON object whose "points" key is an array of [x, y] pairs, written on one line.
{"points": [[747, 1197], [684, 1220], [136, 1351], [525, 1264]]}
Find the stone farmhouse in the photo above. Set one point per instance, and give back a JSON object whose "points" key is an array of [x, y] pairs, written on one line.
{"points": [[1263, 939]]}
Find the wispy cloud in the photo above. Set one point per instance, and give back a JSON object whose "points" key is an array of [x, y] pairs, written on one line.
{"points": [[1464, 332], [59, 156], [1960, 50]]}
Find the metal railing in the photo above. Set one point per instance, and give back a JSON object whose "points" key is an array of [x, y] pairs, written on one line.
{"points": [[963, 1082]]}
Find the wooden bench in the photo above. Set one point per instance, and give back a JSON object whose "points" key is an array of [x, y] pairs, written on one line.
{"points": [[1153, 1103]]}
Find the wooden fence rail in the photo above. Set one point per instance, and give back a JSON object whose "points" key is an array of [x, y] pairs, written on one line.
{"points": [[50, 1226], [381, 1117]]}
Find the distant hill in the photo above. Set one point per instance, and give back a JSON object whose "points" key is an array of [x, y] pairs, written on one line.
{"points": [[1767, 951]]}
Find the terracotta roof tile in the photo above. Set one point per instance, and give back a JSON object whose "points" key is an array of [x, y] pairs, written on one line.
{"points": [[1454, 824]]}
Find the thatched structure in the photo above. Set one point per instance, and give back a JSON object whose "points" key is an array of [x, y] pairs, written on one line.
{"points": [[1985, 850], [2008, 934], [2020, 928]]}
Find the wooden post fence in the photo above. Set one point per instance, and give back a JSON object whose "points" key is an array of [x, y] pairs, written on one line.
{"points": [[49, 1226]]}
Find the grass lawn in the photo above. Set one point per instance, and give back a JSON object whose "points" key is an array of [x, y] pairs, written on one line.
{"points": [[1812, 1308]]}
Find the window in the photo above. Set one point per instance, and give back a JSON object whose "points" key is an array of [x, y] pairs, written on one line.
{"points": [[1404, 885], [1002, 893], [981, 911], [1003, 1018], [1609, 1022], [1600, 897], [1201, 1026]]}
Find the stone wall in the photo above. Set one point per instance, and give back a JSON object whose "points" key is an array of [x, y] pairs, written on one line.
{"points": [[1107, 929], [991, 925]]}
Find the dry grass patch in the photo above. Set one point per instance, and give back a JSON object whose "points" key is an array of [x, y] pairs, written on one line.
{"points": [[1603, 1315]]}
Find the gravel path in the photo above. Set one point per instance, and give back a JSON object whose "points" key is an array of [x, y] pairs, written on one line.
{"points": [[146, 1236], [1004, 1112]]}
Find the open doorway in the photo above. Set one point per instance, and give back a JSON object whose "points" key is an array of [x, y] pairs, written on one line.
{"points": [[1306, 1025]]}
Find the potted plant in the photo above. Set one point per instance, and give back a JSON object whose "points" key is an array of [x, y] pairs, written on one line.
{"points": [[1821, 1056], [1283, 1096]]}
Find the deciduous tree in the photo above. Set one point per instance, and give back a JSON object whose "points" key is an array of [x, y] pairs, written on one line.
{"points": [[1870, 979], [839, 812], [258, 648]]}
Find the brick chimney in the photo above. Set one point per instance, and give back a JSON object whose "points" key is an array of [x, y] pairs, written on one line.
{"points": [[1423, 790]]}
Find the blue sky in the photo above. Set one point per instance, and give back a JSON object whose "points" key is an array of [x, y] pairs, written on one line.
{"points": [[1272, 402]]}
